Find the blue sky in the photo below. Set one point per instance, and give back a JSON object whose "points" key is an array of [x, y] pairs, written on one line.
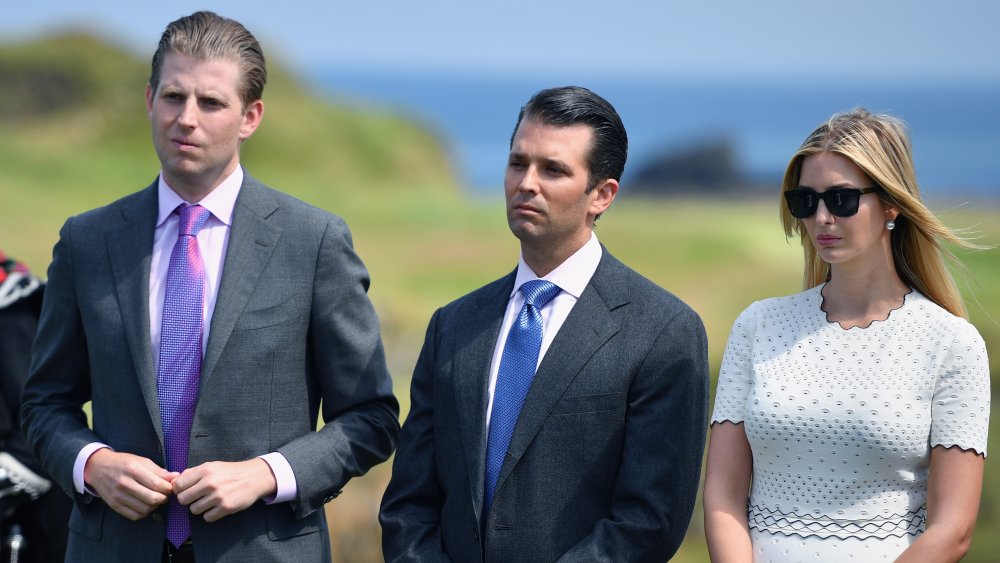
{"points": [[843, 40]]}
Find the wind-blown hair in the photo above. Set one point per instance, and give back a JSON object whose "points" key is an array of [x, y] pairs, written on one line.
{"points": [[209, 36], [880, 146], [574, 105]]}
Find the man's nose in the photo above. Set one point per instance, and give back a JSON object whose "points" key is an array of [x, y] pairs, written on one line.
{"points": [[529, 180], [188, 116]]}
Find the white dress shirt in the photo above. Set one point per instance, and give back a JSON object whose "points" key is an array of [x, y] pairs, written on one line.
{"points": [[572, 277], [213, 240]]}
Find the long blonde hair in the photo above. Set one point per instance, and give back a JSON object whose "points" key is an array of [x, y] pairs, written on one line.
{"points": [[880, 146]]}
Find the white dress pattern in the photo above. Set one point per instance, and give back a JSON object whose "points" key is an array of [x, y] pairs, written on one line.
{"points": [[841, 422]]}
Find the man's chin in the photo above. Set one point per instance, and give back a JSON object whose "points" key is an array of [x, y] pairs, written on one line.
{"points": [[181, 168], [523, 230]]}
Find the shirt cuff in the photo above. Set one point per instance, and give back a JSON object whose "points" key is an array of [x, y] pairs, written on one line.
{"points": [[81, 463], [283, 476]]}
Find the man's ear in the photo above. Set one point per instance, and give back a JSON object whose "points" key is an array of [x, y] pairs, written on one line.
{"points": [[149, 101], [602, 195], [252, 115]]}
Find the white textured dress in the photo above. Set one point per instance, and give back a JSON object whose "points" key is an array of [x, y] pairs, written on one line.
{"points": [[841, 422]]}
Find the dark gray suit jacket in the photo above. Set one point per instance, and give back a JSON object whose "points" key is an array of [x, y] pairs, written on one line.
{"points": [[292, 329], [605, 459]]}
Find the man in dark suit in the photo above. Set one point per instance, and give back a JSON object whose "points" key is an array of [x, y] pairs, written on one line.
{"points": [[596, 455], [207, 318]]}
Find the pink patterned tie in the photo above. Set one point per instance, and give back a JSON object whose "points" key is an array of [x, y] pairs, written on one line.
{"points": [[180, 354]]}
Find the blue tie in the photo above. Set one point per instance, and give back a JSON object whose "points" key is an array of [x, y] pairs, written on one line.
{"points": [[517, 370], [180, 354]]}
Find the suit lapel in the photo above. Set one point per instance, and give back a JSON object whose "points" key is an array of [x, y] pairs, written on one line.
{"points": [[588, 326], [473, 355], [252, 239], [130, 249]]}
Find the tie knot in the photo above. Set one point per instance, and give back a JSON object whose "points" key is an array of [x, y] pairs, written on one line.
{"points": [[539, 292], [193, 218]]}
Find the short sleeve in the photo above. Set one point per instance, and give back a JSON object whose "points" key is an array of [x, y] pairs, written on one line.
{"points": [[960, 414], [736, 374]]}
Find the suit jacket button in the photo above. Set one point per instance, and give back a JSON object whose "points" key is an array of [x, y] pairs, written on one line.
{"points": [[157, 517]]}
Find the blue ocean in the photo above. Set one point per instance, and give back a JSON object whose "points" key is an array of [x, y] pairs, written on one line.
{"points": [[955, 128]]}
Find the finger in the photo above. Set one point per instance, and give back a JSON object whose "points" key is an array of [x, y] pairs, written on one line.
{"points": [[164, 474], [201, 505], [161, 476], [129, 506], [140, 499], [137, 473], [128, 491], [187, 479], [145, 488], [127, 512], [121, 507], [196, 491], [155, 499], [154, 483], [204, 498], [219, 510], [215, 514]]}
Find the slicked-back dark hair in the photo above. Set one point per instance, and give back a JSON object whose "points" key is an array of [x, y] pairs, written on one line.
{"points": [[209, 36], [574, 105]]}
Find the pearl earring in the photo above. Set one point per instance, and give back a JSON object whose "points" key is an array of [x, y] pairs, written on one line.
{"points": [[890, 225]]}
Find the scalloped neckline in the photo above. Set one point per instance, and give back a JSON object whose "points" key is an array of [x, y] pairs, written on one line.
{"points": [[826, 316]]}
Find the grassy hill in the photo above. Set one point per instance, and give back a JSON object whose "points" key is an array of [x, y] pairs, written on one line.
{"points": [[72, 119], [424, 243]]}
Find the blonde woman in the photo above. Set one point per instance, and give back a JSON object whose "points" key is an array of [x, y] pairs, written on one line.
{"points": [[850, 419]]}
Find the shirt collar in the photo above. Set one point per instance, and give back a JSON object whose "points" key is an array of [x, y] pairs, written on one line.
{"points": [[220, 202], [572, 276]]}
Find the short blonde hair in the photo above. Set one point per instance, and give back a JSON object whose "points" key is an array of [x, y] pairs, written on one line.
{"points": [[880, 146]]}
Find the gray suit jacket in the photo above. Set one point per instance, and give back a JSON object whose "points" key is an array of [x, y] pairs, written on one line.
{"points": [[605, 459], [292, 330]]}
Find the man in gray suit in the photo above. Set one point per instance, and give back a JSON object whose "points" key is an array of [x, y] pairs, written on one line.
{"points": [[207, 318], [596, 455]]}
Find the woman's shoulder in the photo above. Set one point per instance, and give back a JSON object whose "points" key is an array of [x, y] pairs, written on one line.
{"points": [[923, 309], [777, 313], [776, 305]]}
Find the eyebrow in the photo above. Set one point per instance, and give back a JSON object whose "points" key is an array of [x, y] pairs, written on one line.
{"points": [[548, 161]]}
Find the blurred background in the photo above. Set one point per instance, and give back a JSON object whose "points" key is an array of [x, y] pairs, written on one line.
{"points": [[397, 116]]}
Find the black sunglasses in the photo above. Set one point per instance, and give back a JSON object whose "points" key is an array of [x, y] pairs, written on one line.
{"points": [[842, 202]]}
